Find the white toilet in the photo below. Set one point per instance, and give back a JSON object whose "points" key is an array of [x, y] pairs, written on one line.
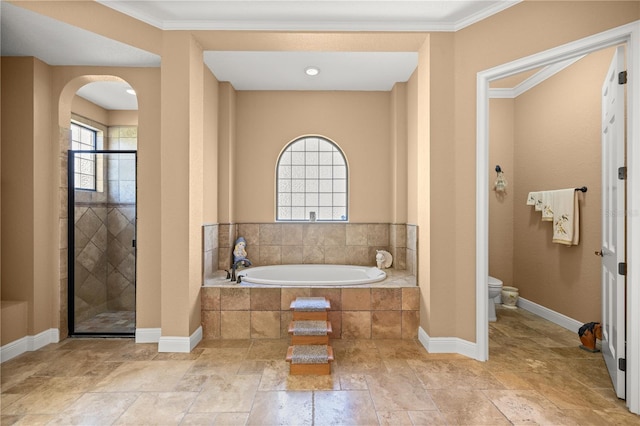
{"points": [[495, 289]]}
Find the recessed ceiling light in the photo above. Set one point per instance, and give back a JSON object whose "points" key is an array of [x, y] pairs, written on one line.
{"points": [[312, 71], [131, 91]]}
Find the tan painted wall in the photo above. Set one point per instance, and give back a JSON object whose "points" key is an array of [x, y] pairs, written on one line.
{"points": [[501, 147], [509, 35], [210, 148], [27, 258], [358, 122], [557, 134]]}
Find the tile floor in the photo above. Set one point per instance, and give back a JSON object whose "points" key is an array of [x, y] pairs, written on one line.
{"points": [[536, 375], [109, 322]]}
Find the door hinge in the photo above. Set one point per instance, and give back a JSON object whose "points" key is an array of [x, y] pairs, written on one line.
{"points": [[622, 268], [133, 243], [622, 364], [622, 173], [622, 77]]}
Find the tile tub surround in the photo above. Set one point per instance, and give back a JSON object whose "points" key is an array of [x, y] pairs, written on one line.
{"points": [[243, 312], [317, 243]]}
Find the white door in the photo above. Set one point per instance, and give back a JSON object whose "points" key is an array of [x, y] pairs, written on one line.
{"points": [[613, 224]]}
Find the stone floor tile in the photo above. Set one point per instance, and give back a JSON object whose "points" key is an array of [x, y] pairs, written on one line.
{"points": [[393, 392], [97, 408], [282, 408], [343, 408], [226, 393], [160, 408]]}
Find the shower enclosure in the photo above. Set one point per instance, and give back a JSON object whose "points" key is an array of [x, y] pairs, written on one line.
{"points": [[102, 240]]}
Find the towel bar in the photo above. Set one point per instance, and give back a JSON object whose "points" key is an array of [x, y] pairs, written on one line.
{"points": [[583, 189]]}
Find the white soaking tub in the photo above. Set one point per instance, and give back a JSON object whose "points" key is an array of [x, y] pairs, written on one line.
{"points": [[311, 275]]}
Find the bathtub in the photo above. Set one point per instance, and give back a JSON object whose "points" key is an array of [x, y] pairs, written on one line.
{"points": [[311, 275]]}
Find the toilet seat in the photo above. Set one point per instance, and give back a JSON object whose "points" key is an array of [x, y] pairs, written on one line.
{"points": [[494, 282]]}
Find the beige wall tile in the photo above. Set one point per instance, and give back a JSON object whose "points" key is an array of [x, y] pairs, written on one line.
{"points": [[333, 295], [250, 232], [211, 324], [356, 325], [265, 299], [312, 234], [386, 324], [358, 255], [386, 299], [270, 255], [292, 234], [291, 255], [288, 295], [210, 298], [356, 299], [412, 236], [335, 255], [226, 234], [410, 324], [265, 324], [335, 317], [356, 234], [270, 234], [312, 254], [410, 298], [235, 324], [335, 235], [378, 234], [235, 299], [285, 318]]}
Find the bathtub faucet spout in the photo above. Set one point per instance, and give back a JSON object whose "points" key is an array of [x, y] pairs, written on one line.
{"points": [[242, 262]]}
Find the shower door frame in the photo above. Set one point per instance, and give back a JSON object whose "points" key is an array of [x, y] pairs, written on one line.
{"points": [[71, 257]]}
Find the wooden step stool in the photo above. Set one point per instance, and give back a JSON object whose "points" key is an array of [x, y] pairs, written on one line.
{"points": [[310, 308], [305, 332], [310, 359], [310, 352]]}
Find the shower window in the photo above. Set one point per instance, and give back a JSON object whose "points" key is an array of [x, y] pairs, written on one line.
{"points": [[312, 181], [84, 138]]}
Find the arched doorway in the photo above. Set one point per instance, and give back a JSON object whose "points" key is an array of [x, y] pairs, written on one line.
{"points": [[99, 142]]}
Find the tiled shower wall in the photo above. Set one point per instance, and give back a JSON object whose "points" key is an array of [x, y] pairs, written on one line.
{"points": [[319, 243]]}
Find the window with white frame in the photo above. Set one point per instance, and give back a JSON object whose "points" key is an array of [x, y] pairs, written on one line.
{"points": [[84, 138], [312, 181]]}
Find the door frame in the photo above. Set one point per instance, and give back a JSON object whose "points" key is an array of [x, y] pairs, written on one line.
{"points": [[627, 34], [71, 257]]}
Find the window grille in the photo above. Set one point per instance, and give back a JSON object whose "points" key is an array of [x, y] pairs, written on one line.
{"points": [[84, 139], [312, 181]]}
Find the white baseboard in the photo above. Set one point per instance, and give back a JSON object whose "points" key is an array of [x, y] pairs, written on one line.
{"points": [[29, 343], [180, 344], [148, 335], [553, 316], [442, 345]]}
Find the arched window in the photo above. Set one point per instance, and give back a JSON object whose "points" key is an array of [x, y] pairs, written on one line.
{"points": [[312, 181]]}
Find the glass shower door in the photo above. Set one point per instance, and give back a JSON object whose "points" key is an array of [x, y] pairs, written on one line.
{"points": [[102, 234]]}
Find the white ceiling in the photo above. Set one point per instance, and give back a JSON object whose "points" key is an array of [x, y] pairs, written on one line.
{"points": [[25, 33], [311, 15]]}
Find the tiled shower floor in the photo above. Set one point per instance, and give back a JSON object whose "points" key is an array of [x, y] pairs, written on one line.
{"points": [[109, 322]]}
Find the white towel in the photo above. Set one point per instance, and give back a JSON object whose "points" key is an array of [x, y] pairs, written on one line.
{"points": [[535, 199], [566, 217], [546, 206]]}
